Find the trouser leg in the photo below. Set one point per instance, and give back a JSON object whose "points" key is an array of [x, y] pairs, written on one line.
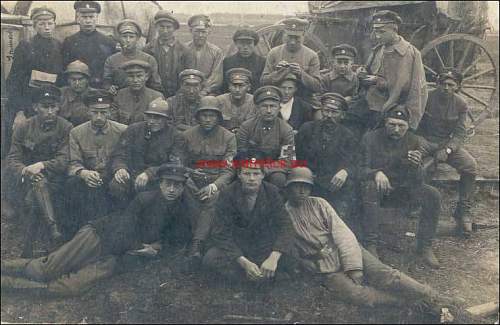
{"points": [[371, 212], [429, 199], [215, 260], [122, 193], [84, 248], [385, 277], [43, 199]]}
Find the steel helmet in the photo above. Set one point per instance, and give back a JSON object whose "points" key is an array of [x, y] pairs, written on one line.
{"points": [[300, 175], [209, 103]]}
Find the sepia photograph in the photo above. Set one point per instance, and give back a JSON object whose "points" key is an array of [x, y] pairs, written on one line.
{"points": [[250, 162]]}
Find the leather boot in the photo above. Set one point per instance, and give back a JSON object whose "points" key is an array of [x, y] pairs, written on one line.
{"points": [[14, 266], [42, 196], [462, 213], [195, 250], [371, 217], [427, 256]]}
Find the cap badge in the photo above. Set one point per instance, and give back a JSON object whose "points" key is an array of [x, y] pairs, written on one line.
{"points": [[268, 93], [46, 94], [399, 113], [253, 160], [191, 76], [87, 6], [343, 51], [294, 26], [99, 99]]}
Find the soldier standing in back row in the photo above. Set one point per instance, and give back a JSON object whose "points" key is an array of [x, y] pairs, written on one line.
{"points": [[88, 45], [172, 56], [208, 57], [293, 57], [37, 164], [130, 102], [41, 53]]}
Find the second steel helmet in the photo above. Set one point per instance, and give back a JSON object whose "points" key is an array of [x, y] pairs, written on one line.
{"points": [[300, 175]]}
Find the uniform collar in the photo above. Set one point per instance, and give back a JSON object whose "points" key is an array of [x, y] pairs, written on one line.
{"points": [[401, 46]]}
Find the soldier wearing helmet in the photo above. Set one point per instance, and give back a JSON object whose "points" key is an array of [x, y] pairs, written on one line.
{"points": [[210, 149], [142, 148], [72, 107]]}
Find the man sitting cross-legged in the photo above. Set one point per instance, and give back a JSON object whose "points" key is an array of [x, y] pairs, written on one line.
{"points": [[326, 247], [153, 220]]}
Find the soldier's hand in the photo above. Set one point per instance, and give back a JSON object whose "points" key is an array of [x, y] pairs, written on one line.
{"points": [[251, 269], [296, 69], [207, 192], [415, 157], [383, 184], [37, 177], [141, 181], [33, 169], [338, 180], [122, 176], [113, 90], [356, 276], [19, 119], [269, 266], [381, 83], [146, 250], [281, 65], [441, 155], [91, 178]]}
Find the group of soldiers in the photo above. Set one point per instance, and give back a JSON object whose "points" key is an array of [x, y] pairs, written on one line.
{"points": [[107, 159]]}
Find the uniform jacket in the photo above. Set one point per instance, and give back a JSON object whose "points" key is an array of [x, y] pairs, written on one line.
{"points": [[254, 135], [301, 113], [149, 218], [39, 54], [209, 61], [253, 234], [72, 107], [404, 72], [113, 75], [380, 153], [170, 63], [444, 120], [128, 107], [141, 151], [31, 144], [327, 148], [255, 64], [219, 145], [91, 149], [346, 85], [305, 57], [318, 227], [234, 115], [183, 111], [92, 49]]}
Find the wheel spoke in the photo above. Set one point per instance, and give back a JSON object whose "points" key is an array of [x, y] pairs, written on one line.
{"points": [[471, 86], [477, 75], [439, 57], [426, 67], [451, 54], [464, 55], [477, 99], [472, 65]]}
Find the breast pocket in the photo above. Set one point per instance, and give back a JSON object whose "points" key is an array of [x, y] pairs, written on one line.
{"points": [[215, 152]]}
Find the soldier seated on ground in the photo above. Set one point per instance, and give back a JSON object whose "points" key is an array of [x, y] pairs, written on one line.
{"points": [[209, 150], [129, 33], [90, 147], [130, 102], [327, 248], [155, 221], [331, 151], [294, 110], [72, 107], [252, 228], [142, 148], [443, 125], [186, 101], [391, 171], [36, 165], [237, 106], [268, 134]]}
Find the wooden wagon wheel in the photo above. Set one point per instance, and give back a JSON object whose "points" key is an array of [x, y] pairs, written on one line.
{"points": [[272, 36], [469, 55]]}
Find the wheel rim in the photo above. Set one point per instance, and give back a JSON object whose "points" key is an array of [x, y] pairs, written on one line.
{"points": [[470, 56]]}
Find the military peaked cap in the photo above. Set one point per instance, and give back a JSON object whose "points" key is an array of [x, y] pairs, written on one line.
{"points": [[267, 92], [87, 6], [46, 93], [246, 33], [383, 17], [344, 50], [42, 11], [98, 98], [165, 15]]}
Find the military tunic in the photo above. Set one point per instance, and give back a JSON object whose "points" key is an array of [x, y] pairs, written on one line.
{"points": [[219, 145], [402, 68], [208, 60], [72, 107], [172, 59], [92, 49], [234, 115], [254, 63], [305, 57], [128, 107], [346, 85], [183, 111], [113, 75]]}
